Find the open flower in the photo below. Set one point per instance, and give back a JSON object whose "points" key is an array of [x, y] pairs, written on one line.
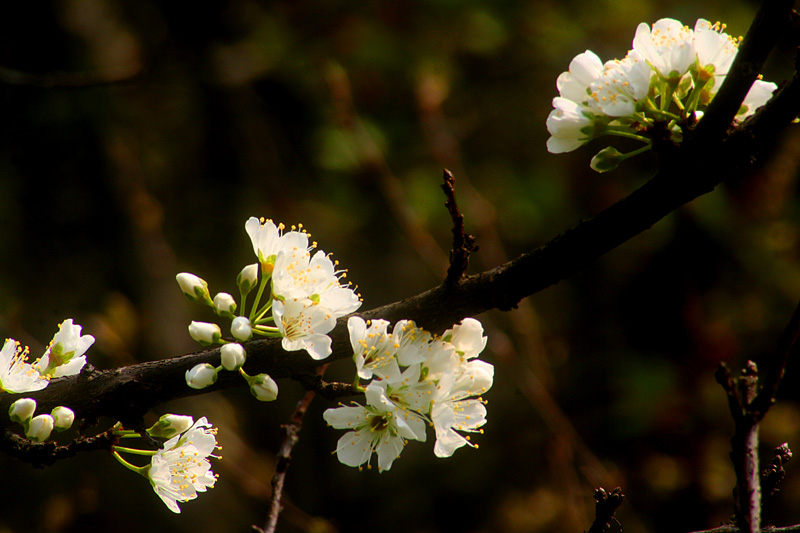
{"points": [[65, 354], [373, 348], [583, 70], [304, 276], [623, 84], [269, 239], [304, 325], [181, 468], [668, 46], [456, 408], [570, 126], [16, 374], [757, 96], [380, 427]]}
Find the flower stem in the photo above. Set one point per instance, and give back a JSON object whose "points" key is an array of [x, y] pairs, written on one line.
{"points": [[628, 135], [134, 451], [260, 292], [141, 470]]}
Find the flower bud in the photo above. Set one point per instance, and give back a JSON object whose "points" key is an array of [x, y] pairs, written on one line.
{"points": [[63, 418], [201, 376], [247, 278], [262, 386], [22, 410], [232, 355], [607, 159], [205, 333], [224, 304], [40, 428], [241, 329], [170, 425], [195, 288]]}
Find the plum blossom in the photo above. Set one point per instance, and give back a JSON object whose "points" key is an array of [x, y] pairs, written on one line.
{"points": [[456, 407], [304, 325], [668, 46], [583, 70], [16, 374], [181, 468], [65, 354], [379, 427], [570, 126]]}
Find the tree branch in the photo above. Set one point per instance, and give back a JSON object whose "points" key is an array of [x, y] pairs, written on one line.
{"points": [[708, 158], [290, 438]]}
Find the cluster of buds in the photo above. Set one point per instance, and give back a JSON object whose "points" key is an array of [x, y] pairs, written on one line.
{"points": [[663, 84], [38, 428]]}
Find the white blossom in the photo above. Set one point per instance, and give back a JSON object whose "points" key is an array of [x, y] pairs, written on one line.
{"points": [[456, 408], [757, 96], [65, 354], [467, 338], [181, 468], [16, 374], [373, 348], [268, 239], [623, 84], [574, 84], [570, 126], [304, 325], [668, 46], [380, 427], [304, 276]]}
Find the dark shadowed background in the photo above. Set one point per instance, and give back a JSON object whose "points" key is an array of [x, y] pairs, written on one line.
{"points": [[137, 137]]}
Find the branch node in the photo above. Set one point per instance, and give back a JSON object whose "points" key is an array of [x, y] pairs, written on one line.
{"points": [[607, 504], [772, 476], [463, 244]]}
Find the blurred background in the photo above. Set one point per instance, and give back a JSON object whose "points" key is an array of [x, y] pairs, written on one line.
{"points": [[137, 137]]}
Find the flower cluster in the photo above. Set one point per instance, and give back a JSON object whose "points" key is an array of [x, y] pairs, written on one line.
{"points": [[64, 356], [180, 469], [662, 84], [299, 297], [415, 379]]}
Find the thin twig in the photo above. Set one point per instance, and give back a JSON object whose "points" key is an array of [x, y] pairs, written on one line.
{"points": [[607, 504], [46, 453], [463, 244], [775, 372], [290, 438]]}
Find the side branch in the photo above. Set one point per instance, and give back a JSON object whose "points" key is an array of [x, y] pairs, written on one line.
{"points": [[463, 244]]}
